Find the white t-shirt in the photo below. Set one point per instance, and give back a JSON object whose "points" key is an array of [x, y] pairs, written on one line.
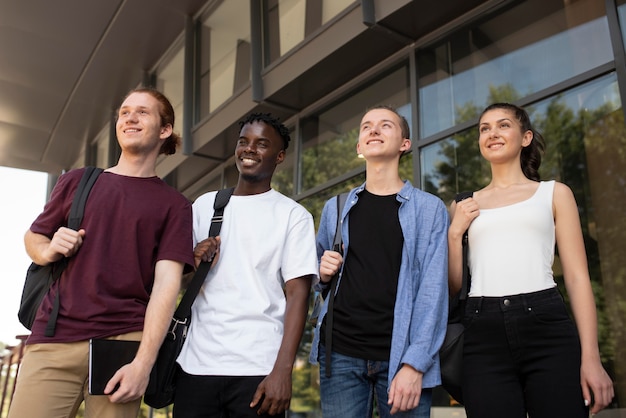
{"points": [[237, 317], [511, 249]]}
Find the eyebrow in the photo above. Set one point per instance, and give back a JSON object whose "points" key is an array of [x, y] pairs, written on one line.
{"points": [[138, 107], [260, 138], [383, 120], [498, 121]]}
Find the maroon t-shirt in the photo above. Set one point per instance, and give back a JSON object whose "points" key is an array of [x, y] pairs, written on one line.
{"points": [[130, 223]]}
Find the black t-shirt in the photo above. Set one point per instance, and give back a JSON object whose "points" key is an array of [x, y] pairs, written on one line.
{"points": [[363, 307]]}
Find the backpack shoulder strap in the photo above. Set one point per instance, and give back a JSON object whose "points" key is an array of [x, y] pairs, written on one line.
{"points": [[80, 196], [465, 283], [341, 202], [75, 217]]}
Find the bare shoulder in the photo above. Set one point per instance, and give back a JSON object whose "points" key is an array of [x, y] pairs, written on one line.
{"points": [[562, 193], [563, 200]]}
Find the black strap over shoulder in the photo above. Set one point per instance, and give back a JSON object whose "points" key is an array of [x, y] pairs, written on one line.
{"points": [[80, 198], [341, 201], [221, 200], [463, 195], [184, 307], [75, 217], [465, 283]]}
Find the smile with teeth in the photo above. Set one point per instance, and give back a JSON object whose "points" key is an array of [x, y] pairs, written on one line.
{"points": [[247, 161], [131, 130]]}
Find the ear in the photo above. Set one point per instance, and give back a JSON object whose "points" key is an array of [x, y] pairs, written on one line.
{"points": [[280, 157], [166, 131], [358, 149], [528, 138], [406, 145]]}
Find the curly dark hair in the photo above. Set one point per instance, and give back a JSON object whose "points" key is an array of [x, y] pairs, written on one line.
{"points": [[272, 121], [530, 158]]}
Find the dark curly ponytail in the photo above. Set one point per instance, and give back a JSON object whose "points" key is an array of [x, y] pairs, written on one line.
{"points": [[530, 158]]}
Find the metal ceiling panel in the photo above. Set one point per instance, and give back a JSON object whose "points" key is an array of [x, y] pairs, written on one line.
{"points": [[65, 66]]}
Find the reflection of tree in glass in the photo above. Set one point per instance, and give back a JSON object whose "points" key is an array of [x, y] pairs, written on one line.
{"points": [[605, 145], [330, 159]]}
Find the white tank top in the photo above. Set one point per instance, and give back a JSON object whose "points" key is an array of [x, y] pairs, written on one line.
{"points": [[511, 249]]}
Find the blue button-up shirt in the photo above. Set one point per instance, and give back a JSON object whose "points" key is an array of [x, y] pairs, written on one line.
{"points": [[421, 307]]}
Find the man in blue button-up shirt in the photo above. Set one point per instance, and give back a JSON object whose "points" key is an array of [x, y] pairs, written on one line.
{"points": [[391, 298]]}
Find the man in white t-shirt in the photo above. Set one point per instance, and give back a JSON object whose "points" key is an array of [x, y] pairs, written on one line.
{"points": [[249, 316]]}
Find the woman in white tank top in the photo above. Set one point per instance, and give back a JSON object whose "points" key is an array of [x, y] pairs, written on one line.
{"points": [[522, 353]]}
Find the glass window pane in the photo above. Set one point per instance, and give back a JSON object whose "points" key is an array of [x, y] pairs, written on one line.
{"points": [[282, 180], [330, 137], [289, 22], [102, 147], [585, 137], [621, 11], [170, 83], [516, 53], [331, 8], [224, 49]]}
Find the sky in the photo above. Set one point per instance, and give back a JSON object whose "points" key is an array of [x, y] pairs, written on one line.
{"points": [[22, 198]]}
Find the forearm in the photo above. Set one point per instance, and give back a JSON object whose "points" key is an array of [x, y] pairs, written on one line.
{"points": [[297, 295], [159, 311], [585, 315], [455, 262], [37, 246]]}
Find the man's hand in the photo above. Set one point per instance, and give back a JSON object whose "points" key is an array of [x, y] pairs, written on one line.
{"points": [[207, 250], [133, 381], [405, 390], [64, 243], [274, 393], [329, 265]]}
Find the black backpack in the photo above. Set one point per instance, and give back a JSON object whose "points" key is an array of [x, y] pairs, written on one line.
{"points": [[39, 279]]}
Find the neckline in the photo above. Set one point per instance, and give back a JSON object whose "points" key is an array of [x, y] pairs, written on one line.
{"points": [[517, 203]]}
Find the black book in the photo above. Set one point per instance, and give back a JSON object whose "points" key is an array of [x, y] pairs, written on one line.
{"points": [[106, 357]]}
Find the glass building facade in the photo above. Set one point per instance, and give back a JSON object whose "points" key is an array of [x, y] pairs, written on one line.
{"points": [[319, 65]]}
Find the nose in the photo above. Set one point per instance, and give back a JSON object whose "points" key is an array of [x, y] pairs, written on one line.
{"points": [[131, 116], [492, 132], [250, 147]]}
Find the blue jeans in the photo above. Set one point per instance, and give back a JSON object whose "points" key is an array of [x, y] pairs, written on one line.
{"points": [[354, 384]]}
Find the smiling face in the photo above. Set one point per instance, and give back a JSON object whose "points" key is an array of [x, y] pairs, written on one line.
{"points": [[259, 150], [138, 124], [380, 135], [501, 137]]}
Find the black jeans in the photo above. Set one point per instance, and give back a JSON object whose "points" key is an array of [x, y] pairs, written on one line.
{"points": [[216, 396], [521, 355]]}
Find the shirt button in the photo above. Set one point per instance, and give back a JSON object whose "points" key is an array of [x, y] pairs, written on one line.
{"points": [[506, 302]]}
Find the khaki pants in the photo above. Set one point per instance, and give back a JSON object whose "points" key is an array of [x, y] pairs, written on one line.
{"points": [[53, 382]]}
